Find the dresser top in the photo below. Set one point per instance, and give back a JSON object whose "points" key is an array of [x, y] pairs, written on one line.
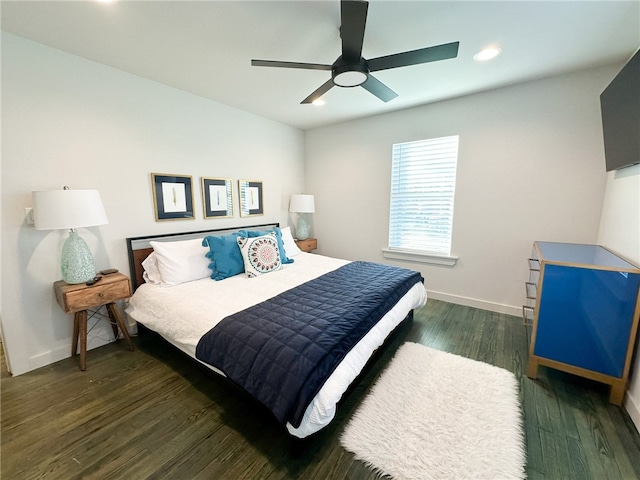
{"points": [[583, 255]]}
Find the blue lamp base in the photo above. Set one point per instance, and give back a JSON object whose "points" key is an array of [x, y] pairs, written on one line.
{"points": [[302, 227], [77, 262]]}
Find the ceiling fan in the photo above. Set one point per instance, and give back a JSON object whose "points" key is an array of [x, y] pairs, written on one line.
{"points": [[350, 69]]}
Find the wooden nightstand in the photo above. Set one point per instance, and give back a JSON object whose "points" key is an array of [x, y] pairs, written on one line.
{"points": [[77, 299], [307, 245]]}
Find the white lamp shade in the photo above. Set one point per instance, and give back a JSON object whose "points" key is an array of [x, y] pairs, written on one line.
{"points": [[67, 209], [301, 203]]}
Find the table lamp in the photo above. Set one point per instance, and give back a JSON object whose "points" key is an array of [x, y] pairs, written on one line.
{"points": [[302, 204], [71, 209]]}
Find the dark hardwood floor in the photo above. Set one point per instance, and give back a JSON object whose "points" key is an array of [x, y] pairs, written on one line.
{"points": [[154, 413]]}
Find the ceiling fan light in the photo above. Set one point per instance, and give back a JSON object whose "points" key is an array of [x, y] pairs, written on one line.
{"points": [[350, 78]]}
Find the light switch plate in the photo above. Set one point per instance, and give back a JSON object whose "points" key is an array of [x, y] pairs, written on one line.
{"points": [[28, 211]]}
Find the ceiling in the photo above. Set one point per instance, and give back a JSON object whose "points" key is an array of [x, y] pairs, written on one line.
{"points": [[206, 47]]}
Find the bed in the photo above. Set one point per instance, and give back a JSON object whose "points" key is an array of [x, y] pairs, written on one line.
{"points": [[285, 335]]}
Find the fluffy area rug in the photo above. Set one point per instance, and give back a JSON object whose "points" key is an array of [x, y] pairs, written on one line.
{"points": [[435, 415]]}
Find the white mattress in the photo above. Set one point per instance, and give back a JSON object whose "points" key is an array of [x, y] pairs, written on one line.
{"points": [[184, 313]]}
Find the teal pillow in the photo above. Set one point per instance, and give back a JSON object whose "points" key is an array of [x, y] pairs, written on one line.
{"points": [[225, 256], [259, 233]]}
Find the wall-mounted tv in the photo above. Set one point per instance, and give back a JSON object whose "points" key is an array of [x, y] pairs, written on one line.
{"points": [[620, 105]]}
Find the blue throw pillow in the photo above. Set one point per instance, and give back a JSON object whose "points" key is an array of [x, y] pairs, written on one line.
{"points": [[259, 233], [225, 256]]}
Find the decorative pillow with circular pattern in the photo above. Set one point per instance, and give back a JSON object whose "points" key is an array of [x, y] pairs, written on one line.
{"points": [[260, 254]]}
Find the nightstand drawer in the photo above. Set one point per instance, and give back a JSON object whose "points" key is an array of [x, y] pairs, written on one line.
{"points": [[74, 298], [307, 245]]}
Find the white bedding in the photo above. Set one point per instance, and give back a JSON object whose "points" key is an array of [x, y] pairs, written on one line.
{"points": [[183, 313]]}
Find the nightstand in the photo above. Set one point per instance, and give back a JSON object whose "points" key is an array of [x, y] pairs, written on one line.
{"points": [[77, 299], [307, 245]]}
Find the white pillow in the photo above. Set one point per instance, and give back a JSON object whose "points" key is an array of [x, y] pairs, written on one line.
{"points": [[290, 247], [182, 261], [260, 254], [151, 273]]}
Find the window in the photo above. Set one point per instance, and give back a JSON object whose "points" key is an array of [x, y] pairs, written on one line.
{"points": [[423, 179]]}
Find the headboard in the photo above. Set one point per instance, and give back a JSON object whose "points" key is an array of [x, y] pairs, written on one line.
{"points": [[139, 248]]}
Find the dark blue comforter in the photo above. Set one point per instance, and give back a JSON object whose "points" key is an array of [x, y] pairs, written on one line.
{"points": [[281, 351]]}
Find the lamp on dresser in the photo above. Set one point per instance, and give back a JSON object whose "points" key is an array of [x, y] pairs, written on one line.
{"points": [[71, 209], [302, 204]]}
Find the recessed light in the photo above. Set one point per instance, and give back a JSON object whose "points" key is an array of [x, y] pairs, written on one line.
{"points": [[318, 102], [487, 54]]}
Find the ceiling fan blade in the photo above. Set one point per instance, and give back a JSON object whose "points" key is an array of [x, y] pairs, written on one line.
{"points": [[274, 63], [414, 57], [354, 18], [324, 88], [379, 89]]}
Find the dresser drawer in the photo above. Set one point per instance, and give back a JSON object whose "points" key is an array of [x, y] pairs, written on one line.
{"points": [[74, 298], [531, 290], [528, 313]]}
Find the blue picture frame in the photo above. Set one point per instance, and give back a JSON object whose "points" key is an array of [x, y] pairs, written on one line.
{"points": [[172, 196], [217, 197], [251, 198]]}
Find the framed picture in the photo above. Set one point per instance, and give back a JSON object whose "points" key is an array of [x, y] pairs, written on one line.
{"points": [[250, 193], [217, 195], [173, 196]]}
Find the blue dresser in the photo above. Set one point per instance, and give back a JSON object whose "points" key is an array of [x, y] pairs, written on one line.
{"points": [[584, 304]]}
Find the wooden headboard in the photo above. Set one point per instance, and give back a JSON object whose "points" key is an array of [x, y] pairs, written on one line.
{"points": [[139, 248]]}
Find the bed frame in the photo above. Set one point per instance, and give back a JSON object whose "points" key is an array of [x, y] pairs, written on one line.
{"points": [[139, 248]]}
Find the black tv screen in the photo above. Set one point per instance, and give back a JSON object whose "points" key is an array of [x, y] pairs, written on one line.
{"points": [[620, 105]]}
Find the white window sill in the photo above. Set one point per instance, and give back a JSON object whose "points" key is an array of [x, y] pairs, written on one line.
{"points": [[420, 257]]}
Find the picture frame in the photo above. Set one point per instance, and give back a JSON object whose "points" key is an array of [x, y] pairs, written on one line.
{"points": [[250, 197], [217, 197], [172, 196]]}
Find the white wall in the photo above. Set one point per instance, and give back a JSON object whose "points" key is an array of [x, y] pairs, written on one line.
{"points": [[620, 232], [531, 167], [69, 121]]}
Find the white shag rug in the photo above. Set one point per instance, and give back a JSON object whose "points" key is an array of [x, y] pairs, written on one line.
{"points": [[435, 415]]}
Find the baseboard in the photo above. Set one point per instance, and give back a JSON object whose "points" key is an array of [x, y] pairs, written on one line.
{"points": [[633, 409], [51, 356], [99, 335], [474, 302]]}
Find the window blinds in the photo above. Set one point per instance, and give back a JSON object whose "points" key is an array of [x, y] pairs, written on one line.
{"points": [[423, 182]]}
